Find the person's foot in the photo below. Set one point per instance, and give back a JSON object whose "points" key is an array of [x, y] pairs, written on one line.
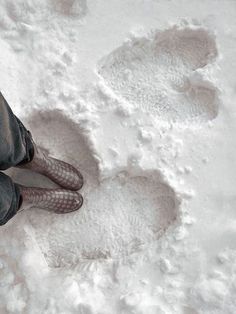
{"points": [[58, 171], [55, 200]]}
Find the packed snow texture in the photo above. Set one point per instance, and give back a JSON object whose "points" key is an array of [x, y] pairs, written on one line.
{"points": [[113, 209], [138, 95], [158, 74]]}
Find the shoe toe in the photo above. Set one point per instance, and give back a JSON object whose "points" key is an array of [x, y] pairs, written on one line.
{"points": [[77, 180], [73, 205], [68, 176], [78, 201]]}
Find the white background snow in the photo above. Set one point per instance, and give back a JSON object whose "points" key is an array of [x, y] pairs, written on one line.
{"points": [[140, 96]]}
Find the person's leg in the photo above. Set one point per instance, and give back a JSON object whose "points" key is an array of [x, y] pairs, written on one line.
{"points": [[15, 141], [10, 199], [15, 148], [18, 149], [59, 201], [12, 196], [58, 171]]}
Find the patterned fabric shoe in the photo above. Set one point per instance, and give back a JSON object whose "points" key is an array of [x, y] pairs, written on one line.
{"points": [[58, 171], [55, 200]]}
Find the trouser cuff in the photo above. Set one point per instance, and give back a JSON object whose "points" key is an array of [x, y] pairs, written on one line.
{"points": [[29, 146], [14, 192]]}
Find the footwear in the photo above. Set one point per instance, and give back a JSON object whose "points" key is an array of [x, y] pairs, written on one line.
{"points": [[55, 200], [58, 171]]}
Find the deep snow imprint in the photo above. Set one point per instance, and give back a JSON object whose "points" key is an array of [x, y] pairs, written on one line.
{"points": [[159, 74], [119, 214]]}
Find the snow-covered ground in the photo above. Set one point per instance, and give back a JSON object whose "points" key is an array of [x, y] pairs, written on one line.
{"points": [[140, 96]]}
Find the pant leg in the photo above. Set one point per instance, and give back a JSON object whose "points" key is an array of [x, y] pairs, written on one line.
{"points": [[16, 147], [15, 141], [10, 198]]}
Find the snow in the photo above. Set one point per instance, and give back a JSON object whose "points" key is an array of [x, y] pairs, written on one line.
{"points": [[139, 95]]}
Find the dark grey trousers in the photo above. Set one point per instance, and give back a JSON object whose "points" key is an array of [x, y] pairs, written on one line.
{"points": [[15, 148]]}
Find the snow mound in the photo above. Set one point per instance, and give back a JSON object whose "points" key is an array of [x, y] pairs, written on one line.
{"points": [[158, 74]]}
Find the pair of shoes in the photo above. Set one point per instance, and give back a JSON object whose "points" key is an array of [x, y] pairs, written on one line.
{"points": [[60, 201]]}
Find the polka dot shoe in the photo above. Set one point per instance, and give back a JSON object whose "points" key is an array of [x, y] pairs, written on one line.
{"points": [[55, 200], [58, 171]]}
